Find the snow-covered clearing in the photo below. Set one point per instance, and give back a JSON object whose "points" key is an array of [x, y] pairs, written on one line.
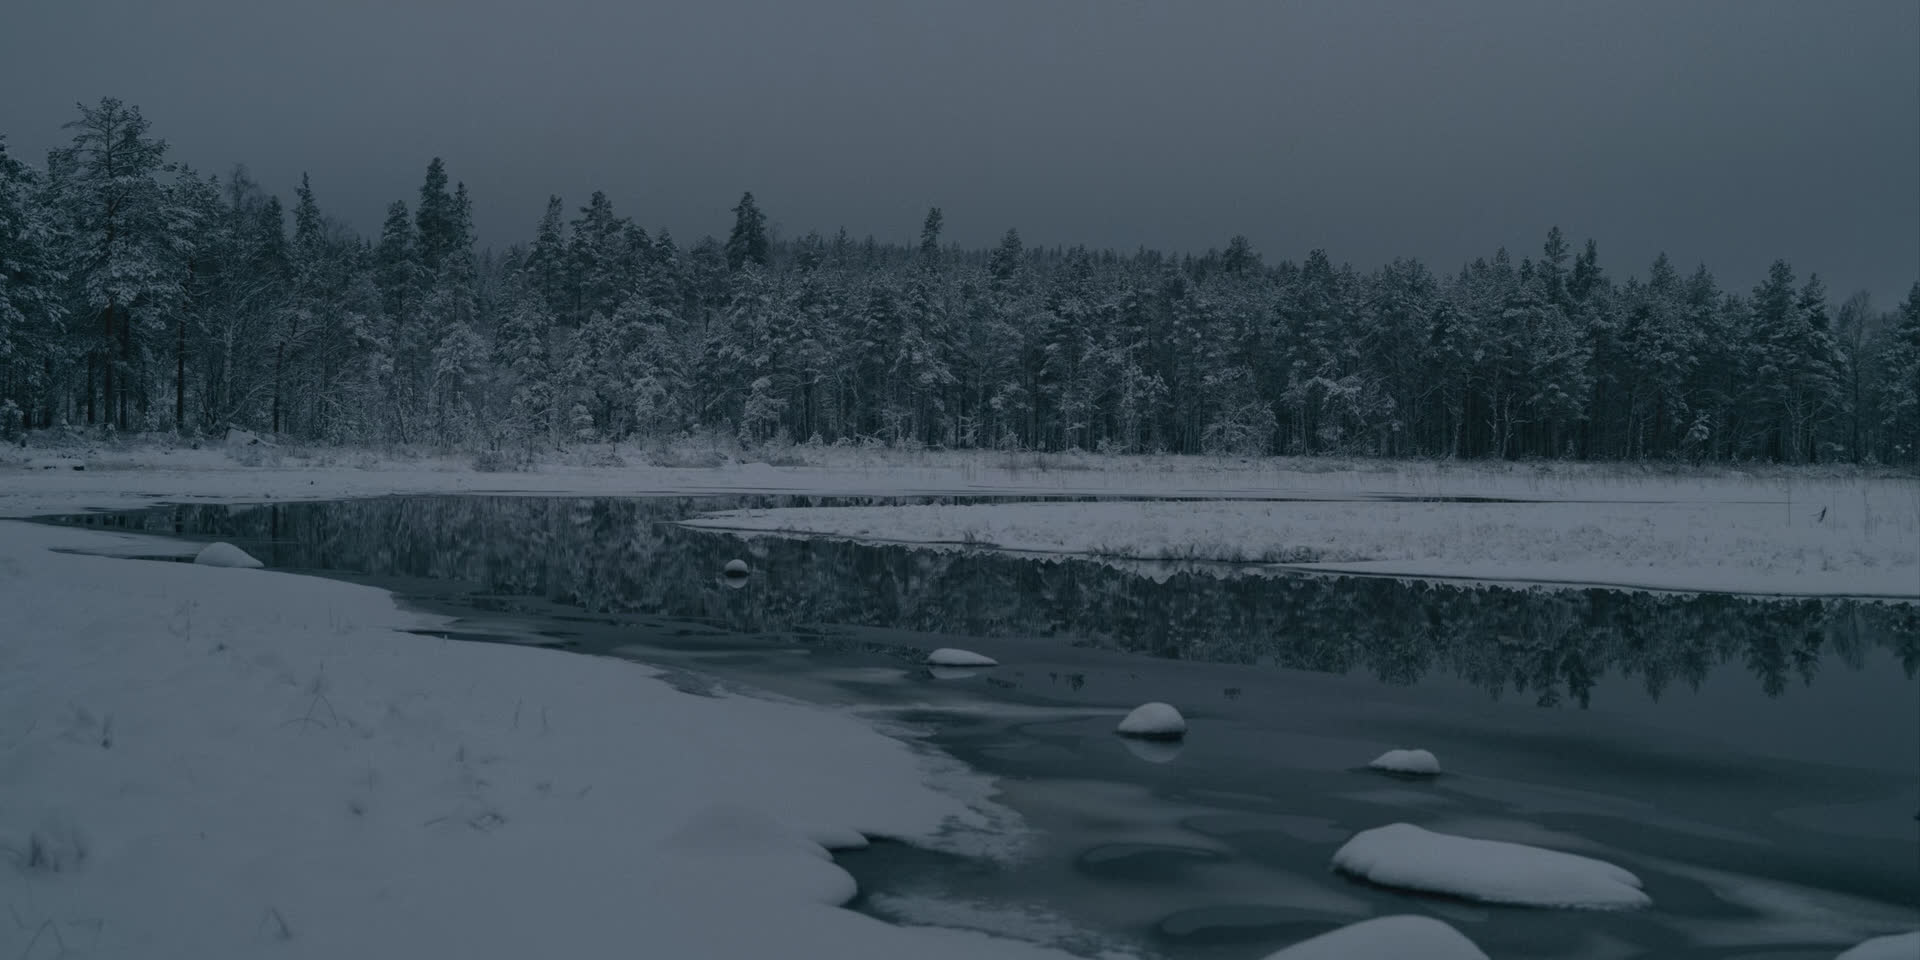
{"points": [[210, 762], [1866, 543]]}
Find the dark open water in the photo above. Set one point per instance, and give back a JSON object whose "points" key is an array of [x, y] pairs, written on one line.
{"points": [[1756, 762]]}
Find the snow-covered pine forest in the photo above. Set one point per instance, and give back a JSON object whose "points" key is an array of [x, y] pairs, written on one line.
{"points": [[137, 294]]}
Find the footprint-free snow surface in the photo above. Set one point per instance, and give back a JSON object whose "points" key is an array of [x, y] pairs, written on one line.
{"points": [[1419, 763], [1411, 858], [955, 657], [1153, 721], [1903, 946], [1386, 938]]}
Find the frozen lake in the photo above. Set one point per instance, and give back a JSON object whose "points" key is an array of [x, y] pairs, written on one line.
{"points": [[1755, 762]]}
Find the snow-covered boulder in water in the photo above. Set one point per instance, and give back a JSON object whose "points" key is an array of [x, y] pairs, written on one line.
{"points": [[1491, 871], [735, 568], [225, 555], [1417, 763], [1900, 946], [955, 657], [1386, 938], [1153, 721]]}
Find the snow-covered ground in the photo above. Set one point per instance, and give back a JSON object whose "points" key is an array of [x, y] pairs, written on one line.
{"points": [[1865, 542], [211, 762]]}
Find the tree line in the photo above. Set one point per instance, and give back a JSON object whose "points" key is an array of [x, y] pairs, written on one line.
{"points": [[137, 294]]}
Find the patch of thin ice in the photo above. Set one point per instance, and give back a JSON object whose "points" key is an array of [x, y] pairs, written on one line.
{"points": [[1386, 938], [1407, 857]]}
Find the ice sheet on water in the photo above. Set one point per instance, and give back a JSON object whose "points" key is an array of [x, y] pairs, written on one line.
{"points": [[1405, 856]]}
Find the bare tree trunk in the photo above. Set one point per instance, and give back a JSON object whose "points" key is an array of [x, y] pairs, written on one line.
{"points": [[279, 357], [180, 374], [106, 367]]}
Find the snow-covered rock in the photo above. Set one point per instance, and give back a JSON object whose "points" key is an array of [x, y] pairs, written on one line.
{"points": [[244, 438], [1407, 857], [1386, 938], [1900, 946], [1154, 721], [956, 657], [735, 568], [1420, 763], [225, 555]]}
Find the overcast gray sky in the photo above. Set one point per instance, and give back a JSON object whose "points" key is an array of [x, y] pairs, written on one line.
{"points": [[1725, 131]]}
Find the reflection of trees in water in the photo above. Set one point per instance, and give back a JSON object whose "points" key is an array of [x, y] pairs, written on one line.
{"points": [[626, 556]]}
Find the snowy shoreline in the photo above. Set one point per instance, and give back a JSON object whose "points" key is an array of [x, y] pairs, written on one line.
{"points": [[204, 761], [1731, 547]]}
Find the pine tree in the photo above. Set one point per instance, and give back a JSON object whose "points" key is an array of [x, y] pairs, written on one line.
{"points": [[520, 354], [546, 266], [747, 244], [117, 218], [1898, 389], [30, 308], [436, 219]]}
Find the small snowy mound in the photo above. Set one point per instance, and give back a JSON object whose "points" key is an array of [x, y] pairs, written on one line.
{"points": [[1386, 938], [955, 657], [1418, 763], [1900, 946], [225, 555], [1410, 858], [1153, 721], [735, 568]]}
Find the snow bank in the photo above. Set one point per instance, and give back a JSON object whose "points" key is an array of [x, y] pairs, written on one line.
{"points": [[1903, 946], [1153, 721], [1870, 548], [221, 773], [225, 555], [1410, 858], [955, 657], [1386, 938], [1412, 762]]}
